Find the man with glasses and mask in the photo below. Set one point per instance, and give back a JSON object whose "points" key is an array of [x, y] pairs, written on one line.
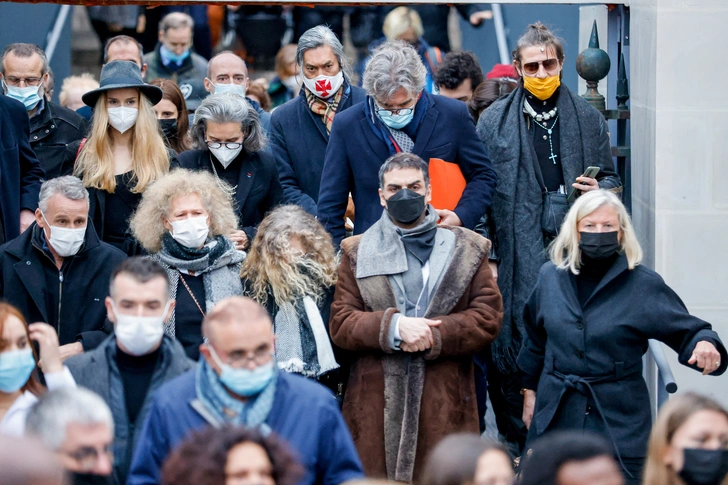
{"points": [[128, 367], [237, 383], [58, 270], [414, 302], [26, 78], [541, 138], [78, 426], [398, 116]]}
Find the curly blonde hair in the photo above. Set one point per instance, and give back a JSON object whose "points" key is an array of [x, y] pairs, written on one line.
{"points": [[272, 266], [147, 223]]}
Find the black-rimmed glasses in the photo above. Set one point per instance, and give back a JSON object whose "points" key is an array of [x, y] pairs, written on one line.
{"points": [[230, 145]]}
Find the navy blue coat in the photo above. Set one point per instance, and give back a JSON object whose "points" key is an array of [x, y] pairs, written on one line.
{"points": [[298, 140], [304, 413], [446, 131], [569, 351], [20, 172]]}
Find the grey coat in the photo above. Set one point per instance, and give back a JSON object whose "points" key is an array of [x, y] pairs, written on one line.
{"points": [[97, 371]]}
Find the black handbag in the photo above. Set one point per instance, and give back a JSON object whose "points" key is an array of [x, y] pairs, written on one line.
{"points": [[555, 208]]}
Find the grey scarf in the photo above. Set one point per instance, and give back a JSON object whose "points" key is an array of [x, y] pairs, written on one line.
{"points": [[382, 252], [221, 277], [502, 128]]}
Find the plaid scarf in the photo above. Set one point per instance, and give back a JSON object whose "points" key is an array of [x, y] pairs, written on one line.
{"points": [[324, 109]]}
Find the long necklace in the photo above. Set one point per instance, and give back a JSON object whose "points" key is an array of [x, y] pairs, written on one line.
{"points": [[229, 191], [550, 131], [545, 116]]}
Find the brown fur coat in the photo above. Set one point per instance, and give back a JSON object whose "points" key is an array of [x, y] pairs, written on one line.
{"points": [[468, 303]]}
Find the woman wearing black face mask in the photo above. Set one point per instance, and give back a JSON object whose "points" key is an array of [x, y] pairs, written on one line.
{"points": [[588, 322], [689, 443], [172, 115]]}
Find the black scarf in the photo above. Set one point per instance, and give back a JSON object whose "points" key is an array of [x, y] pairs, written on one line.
{"points": [[421, 239], [210, 253]]}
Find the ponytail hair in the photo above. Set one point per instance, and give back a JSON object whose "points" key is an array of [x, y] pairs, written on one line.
{"points": [[538, 34]]}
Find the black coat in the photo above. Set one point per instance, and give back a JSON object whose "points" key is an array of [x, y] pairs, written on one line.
{"points": [[51, 132], [299, 139], [567, 350], [20, 172], [258, 189], [83, 285]]}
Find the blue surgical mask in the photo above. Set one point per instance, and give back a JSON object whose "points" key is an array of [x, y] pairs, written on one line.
{"points": [[396, 122], [171, 56], [238, 89], [29, 96], [245, 382], [15, 369]]}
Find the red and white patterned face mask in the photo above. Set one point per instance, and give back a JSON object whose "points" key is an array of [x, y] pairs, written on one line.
{"points": [[324, 86]]}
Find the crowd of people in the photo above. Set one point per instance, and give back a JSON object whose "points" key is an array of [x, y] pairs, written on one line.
{"points": [[199, 290]]}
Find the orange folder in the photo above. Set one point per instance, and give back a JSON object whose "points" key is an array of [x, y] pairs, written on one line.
{"points": [[447, 182]]}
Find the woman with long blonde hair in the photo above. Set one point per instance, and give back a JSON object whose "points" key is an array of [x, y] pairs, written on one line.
{"points": [[588, 321], [688, 443], [124, 153], [291, 269]]}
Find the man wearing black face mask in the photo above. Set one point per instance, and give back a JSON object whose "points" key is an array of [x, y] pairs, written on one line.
{"points": [[415, 301], [77, 425]]}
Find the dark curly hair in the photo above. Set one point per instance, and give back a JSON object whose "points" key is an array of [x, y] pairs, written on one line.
{"points": [[456, 67], [201, 458]]}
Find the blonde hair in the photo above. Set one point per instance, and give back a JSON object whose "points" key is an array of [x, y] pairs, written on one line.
{"points": [[147, 223], [565, 252], [399, 21], [671, 417], [84, 82], [150, 160], [272, 266]]}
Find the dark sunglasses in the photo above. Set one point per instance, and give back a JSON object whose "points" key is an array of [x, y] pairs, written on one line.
{"points": [[531, 68]]}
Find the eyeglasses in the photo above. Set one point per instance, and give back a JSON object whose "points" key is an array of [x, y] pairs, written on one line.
{"points": [[390, 112], [240, 359], [88, 457], [230, 145], [531, 68], [29, 81]]}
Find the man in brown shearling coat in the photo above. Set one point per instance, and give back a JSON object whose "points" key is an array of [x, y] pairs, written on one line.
{"points": [[413, 303]]}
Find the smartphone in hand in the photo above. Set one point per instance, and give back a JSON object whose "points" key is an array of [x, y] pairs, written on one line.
{"points": [[590, 172]]}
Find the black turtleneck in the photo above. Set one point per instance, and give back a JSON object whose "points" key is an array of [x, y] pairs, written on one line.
{"points": [[136, 376], [590, 274], [553, 175]]}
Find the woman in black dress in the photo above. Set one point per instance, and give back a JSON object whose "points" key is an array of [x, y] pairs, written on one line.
{"points": [[588, 322], [124, 153]]}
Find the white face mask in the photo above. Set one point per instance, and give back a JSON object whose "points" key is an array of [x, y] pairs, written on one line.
{"points": [[238, 89], [65, 241], [122, 118], [324, 86], [139, 335], [291, 83], [226, 155], [191, 232]]}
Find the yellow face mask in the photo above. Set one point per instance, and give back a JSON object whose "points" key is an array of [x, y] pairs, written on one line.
{"points": [[543, 89]]}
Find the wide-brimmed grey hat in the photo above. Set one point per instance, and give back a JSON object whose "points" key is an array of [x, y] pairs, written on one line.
{"points": [[120, 75]]}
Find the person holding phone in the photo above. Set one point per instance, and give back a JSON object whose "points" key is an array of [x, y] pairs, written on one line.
{"points": [[541, 139]]}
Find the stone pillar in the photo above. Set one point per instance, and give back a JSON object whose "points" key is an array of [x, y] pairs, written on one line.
{"points": [[680, 158]]}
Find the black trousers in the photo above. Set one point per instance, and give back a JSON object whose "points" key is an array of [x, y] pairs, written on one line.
{"points": [[507, 401]]}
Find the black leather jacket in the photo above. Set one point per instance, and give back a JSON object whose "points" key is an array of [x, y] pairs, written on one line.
{"points": [[51, 131]]}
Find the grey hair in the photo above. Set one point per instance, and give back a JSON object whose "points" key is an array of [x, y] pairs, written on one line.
{"points": [[319, 36], [55, 410], [24, 50], [229, 108], [395, 65], [403, 160], [68, 186], [175, 20]]}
